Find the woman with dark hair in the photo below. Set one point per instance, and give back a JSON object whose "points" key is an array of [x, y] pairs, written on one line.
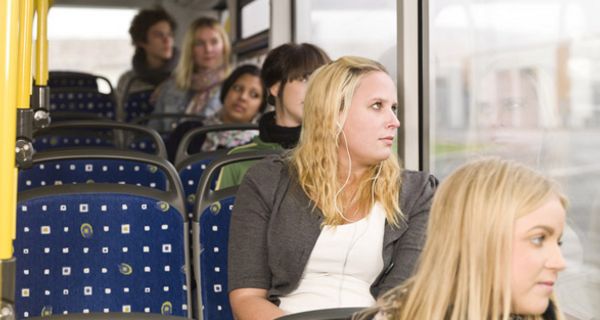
{"points": [[243, 98], [155, 56], [285, 73]]}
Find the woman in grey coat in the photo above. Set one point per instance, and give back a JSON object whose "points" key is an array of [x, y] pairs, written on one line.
{"points": [[336, 222]]}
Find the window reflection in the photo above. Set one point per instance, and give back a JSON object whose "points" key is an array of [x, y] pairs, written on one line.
{"points": [[522, 80]]}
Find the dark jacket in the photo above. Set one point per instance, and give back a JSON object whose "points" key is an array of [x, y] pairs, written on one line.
{"points": [[273, 231]]}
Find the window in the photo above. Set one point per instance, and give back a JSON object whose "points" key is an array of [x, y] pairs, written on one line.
{"points": [[255, 18], [90, 40], [364, 28], [519, 79]]}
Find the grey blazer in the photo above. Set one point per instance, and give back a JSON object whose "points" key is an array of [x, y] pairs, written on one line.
{"points": [[273, 231]]}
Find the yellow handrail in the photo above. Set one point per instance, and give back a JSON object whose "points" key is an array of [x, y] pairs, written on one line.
{"points": [[41, 70], [25, 46], [9, 13]]}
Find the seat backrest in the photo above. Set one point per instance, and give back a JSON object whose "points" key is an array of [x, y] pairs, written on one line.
{"points": [[75, 80], [190, 172], [90, 133], [192, 135], [101, 248], [82, 101], [97, 166], [137, 104], [210, 235]]}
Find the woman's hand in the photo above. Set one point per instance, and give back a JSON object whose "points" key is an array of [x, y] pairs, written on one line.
{"points": [[252, 304]]}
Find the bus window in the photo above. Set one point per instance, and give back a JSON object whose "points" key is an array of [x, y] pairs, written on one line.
{"points": [[255, 18], [520, 80], [90, 40], [350, 27]]}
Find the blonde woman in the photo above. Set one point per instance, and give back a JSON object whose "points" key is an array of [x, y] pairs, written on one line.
{"points": [[492, 250], [204, 64], [336, 222]]}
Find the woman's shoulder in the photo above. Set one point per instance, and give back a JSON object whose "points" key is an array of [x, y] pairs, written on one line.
{"points": [[265, 177], [413, 181], [417, 190], [272, 166]]}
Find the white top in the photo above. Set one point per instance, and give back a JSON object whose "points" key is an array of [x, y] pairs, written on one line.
{"points": [[344, 263]]}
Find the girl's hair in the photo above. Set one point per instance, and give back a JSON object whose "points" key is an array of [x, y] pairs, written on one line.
{"points": [[291, 61], [315, 159], [235, 75], [464, 271], [185, 68]]}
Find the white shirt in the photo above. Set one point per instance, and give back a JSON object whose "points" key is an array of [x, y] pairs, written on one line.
{"points": [[344, 263]]}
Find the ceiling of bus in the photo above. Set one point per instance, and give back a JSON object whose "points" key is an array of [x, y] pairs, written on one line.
{"points": [[189, 4]]}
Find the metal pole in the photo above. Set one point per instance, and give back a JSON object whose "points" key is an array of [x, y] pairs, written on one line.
{"points": [[9, 14]]}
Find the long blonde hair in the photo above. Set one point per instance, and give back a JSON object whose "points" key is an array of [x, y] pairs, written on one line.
{"points": [[185, 68], [464, 269], [315, 159]]}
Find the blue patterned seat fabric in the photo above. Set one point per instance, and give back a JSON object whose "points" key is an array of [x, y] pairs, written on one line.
{"points": [[79, 101], [72, 80], [190, 177], [214, 235], [138, 105], [59, 172], [95, 138], [84, 253]]}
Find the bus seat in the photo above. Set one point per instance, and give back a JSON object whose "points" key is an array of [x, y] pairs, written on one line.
{"points": [[138, 105], [96, 166], [99, 133], [190, 172], [82, 101], [210, 235], [76, 80], [101, 248], [187, 145]]}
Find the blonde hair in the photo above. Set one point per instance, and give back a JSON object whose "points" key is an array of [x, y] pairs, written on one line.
{"points": [[315, 159], [185, 68], [463, 271]]}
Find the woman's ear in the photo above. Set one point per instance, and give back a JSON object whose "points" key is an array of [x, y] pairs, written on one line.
{"points": [[273, 92], [274, 89]]}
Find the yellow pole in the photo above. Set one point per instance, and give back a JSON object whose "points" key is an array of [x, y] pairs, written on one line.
{"points": [[9, 14], [41, 71], [25, 46]]}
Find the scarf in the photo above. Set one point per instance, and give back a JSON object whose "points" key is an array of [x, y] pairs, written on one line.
{"points": [[153, 76], [287, 137], [204, 84]]}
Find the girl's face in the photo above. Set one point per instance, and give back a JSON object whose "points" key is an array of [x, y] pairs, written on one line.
{"points": [[371, 124], [536, 257], [290, 107], [243, 99], [208, 48]]}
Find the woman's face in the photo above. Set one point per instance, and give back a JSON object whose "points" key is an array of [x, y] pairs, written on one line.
{"points": [[290, 104], [371, 124], [159, 41], [208, 48], [243, 99], [536, 257]]}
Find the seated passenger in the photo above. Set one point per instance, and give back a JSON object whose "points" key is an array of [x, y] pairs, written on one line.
{"points": [[336, 222], [243, 98], [285, 72], [204, 64], [492, 250], [155, 56]]}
